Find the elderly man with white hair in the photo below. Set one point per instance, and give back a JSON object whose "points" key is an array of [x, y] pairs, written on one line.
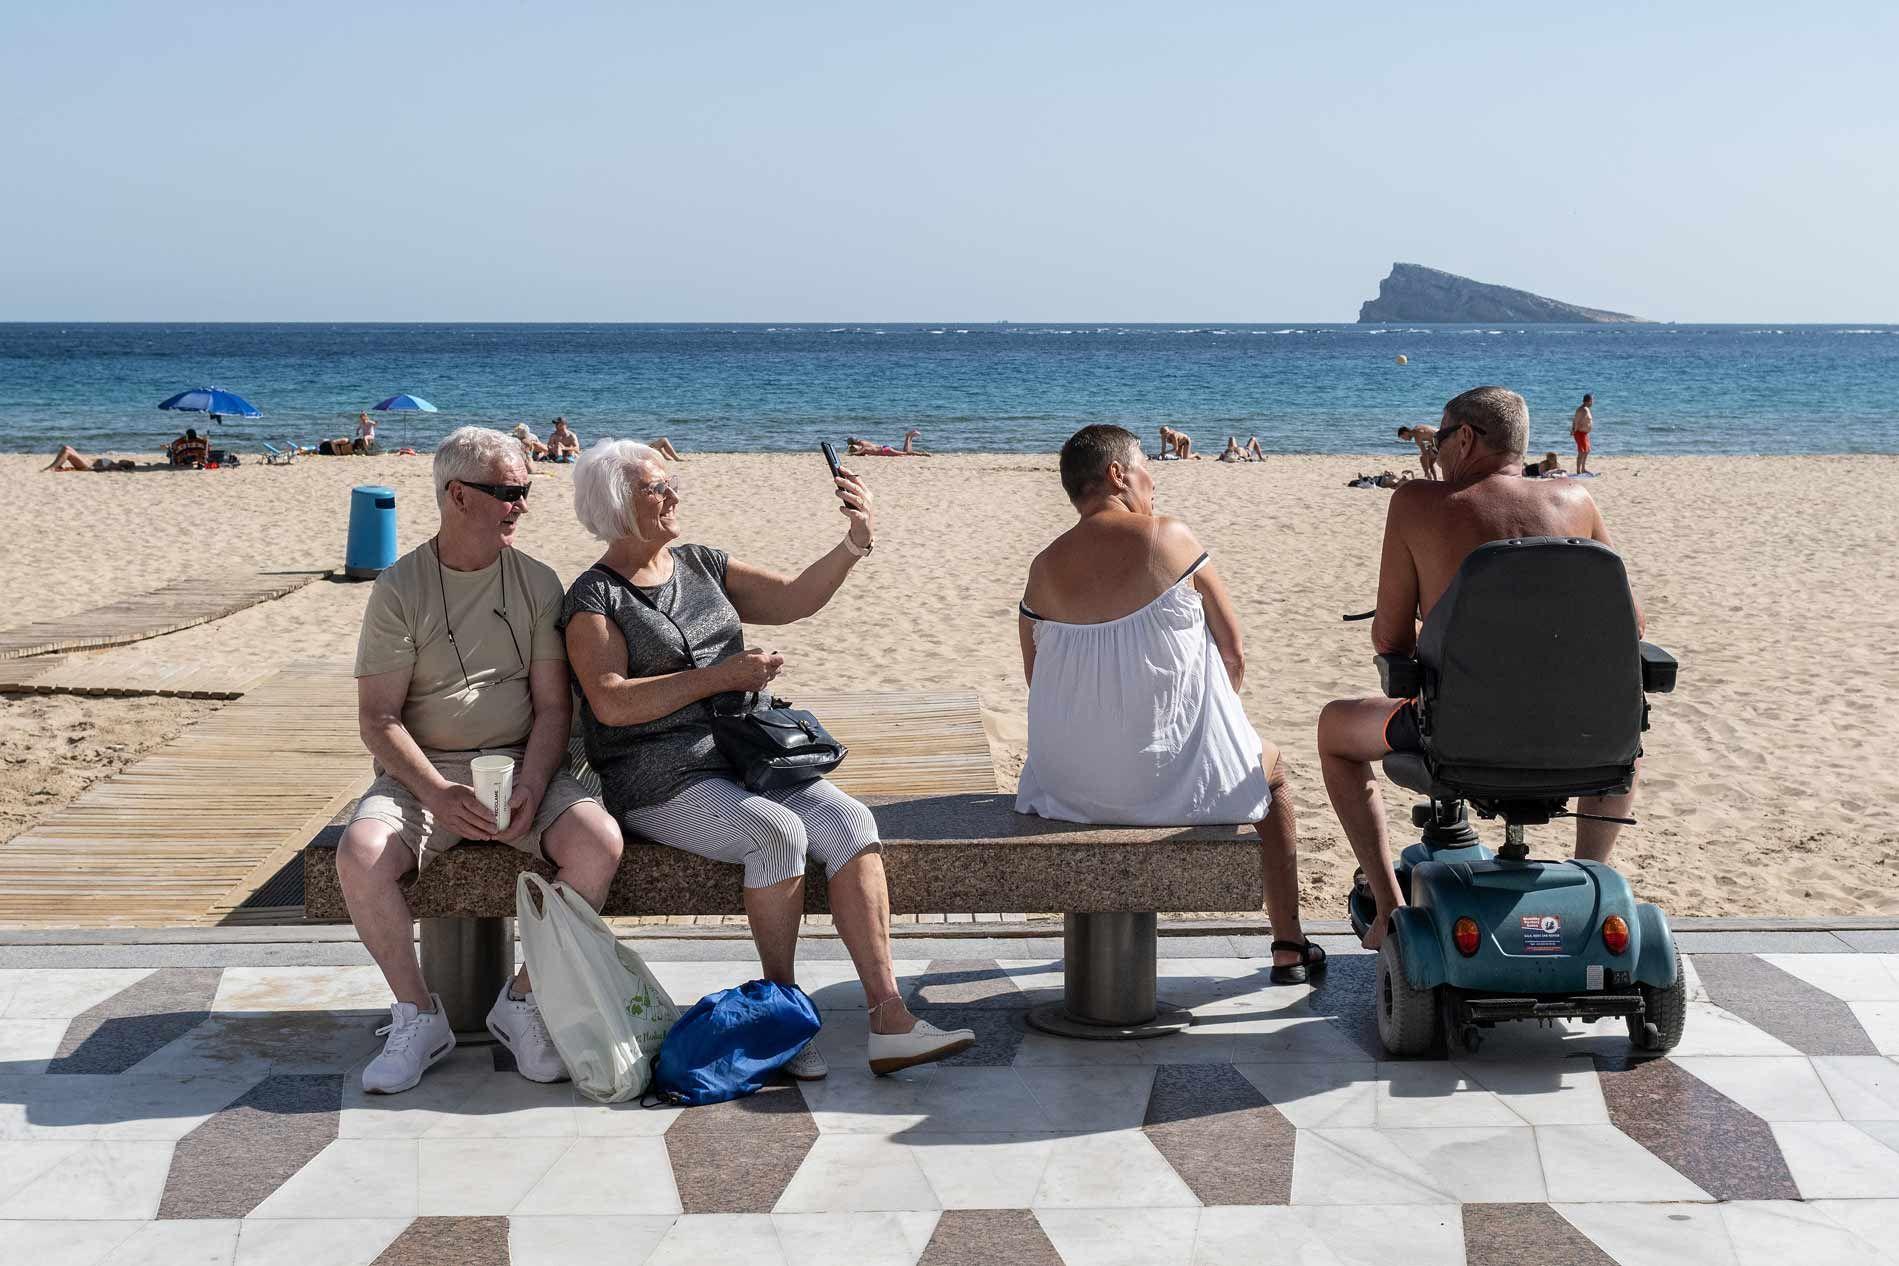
{"points": [[459, 657], [655, 631]]}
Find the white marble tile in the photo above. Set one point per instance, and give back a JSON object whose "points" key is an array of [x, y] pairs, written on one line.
{"points": [[854, 1101], [510, 1106], [720, 1239], [1418, 1094], [26, 1046], [63, 1107], [834, 986], [1592, 1163], [1881, 1022], [1247, 1235], [1340, 1095], [302, 989], [351, 1178], [1886, 1132], [1697, 990], [61, 994], [1875, 1221], [317, 1241], [1118, 1170], [1121, 1237], [480, 1177], [1358, 1167], [982, 1171], [862, 1239], [1045, 1050], [626, 1119], [602, 1176], [192, 1242], [1863, 1087], [96, 1180], [1713, 1031], [1542, 1091], [1289, 1038], [857, 1173], [1640, 1234], [564, 1241], [23, 1160], [1837, 1161], [440, 1094], [1100, 1098], [56, 1243], [1775, 1232], [1848, 977], [164, 1108], [1772, 1087], [1381, 1235], [987, 1100], [1472, 1164]]}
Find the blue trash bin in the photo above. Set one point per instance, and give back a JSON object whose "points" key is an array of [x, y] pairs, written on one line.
{"points": [[372, 531]]}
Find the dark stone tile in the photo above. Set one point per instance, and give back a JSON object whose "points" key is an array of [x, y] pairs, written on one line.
{"points": [[776, 1110], [227, 1166], [1343, 993], [966, 982], [732, 1174], [1759, 942], [999, 1034], [138, 1020], [1227, 1143], [1708, 1138], [1810, 1020], [449, 1242], [989, 1237], [502, 1058], [1512, 1234]]}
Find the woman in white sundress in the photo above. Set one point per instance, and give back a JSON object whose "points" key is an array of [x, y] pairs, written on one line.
{"points": [[1133, 657]]}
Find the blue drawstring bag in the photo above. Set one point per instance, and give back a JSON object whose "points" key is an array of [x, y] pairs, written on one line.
{"points": [[729, 1042]]}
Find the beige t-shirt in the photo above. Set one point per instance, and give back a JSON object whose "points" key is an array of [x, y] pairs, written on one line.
{"points": [[405, 626]]}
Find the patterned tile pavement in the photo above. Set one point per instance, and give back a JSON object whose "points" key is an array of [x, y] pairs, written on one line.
{"points": [[214, 1114]]}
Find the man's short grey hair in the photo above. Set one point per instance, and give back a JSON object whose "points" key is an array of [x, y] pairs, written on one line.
{"points": [[470, 454], [603, 487], [1498, 415]]}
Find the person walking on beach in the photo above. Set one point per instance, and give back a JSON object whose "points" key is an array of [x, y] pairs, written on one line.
{"points": [[1579, 428], [459, 658], [1430, 528], [1425, 437]]}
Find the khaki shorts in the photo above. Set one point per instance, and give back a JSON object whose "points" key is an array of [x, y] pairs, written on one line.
{"points": [[389, 802]]}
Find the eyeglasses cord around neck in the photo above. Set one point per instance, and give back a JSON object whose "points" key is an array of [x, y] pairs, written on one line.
{"points": [[441, 581]]}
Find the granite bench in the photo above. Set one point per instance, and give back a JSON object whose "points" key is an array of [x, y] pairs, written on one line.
{"points": [[944, 854]]}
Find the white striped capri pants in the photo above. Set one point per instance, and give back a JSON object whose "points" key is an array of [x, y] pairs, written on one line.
{"points": [[770, 832]]}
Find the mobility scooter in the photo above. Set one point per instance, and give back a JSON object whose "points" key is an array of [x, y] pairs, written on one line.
{"points": [[1529, 680]]}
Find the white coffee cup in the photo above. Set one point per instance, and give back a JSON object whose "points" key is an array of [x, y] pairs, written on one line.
{"points": [[494, 783]]}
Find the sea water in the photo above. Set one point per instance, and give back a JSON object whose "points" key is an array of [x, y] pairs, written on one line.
{"points": [[998, 387]]}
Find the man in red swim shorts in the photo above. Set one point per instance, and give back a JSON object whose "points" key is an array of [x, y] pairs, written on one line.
{"points": [[1579, 428]]}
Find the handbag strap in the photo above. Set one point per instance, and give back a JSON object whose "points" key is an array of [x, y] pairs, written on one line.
{"points": [[692, 656]]}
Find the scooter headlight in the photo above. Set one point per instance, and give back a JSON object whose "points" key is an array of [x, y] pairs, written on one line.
{"points": [[1465, 933], [1615, 934]]}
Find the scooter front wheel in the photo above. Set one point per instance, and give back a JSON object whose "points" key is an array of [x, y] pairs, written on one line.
{"points": [[1407, 1016]]}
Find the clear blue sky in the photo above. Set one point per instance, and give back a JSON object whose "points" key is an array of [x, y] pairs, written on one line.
{"points": [[971, 161]]}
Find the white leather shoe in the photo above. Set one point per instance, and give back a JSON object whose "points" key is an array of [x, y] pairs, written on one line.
{"points": [[517, 1025], [922, 1044], [417, 1039], [808, 1064]]}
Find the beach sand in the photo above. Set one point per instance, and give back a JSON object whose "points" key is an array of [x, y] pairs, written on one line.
{"points": [[1771, 787]]}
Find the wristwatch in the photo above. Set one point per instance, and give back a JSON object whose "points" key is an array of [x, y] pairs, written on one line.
{"points": [[854, 551]]}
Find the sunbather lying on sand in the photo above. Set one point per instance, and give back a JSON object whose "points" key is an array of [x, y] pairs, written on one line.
{"points": [[70, 458], [864, 448], [1234, 452]]}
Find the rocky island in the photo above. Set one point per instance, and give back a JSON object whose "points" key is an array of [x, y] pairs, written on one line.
{"points": [[1415, 293]]}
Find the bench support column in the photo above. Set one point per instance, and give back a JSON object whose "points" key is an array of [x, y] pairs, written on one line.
{"points": [[1108, 981], [466, 961]]}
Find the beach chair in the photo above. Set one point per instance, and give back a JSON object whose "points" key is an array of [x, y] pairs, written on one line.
{"points": [[274, 456]]}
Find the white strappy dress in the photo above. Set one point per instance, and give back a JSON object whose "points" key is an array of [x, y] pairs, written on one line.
{"points": [[1133, 722]]}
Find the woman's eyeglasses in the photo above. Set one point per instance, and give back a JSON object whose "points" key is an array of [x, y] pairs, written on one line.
{"points": [[664, 486], [512, 493]]}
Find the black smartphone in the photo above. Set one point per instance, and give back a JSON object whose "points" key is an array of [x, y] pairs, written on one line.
{"points": [[830, 457]]}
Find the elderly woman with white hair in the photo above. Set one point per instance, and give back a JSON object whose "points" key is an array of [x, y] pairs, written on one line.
{"points": [[654, 632]]}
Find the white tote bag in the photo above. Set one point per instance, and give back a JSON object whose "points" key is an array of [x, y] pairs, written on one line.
{"points": [[603, 1008]]}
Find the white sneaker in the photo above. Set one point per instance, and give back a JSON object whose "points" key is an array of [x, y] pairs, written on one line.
{"points": [[923, 1043], [417, 1039], [808, 1064], [517, 1025]]}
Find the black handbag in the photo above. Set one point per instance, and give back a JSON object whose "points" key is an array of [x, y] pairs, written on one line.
{"points": [[769, 743]]}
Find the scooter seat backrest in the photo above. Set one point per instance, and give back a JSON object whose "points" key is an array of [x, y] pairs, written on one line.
{"points": [[1532, 663]]}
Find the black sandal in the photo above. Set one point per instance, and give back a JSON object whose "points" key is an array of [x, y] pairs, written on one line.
{"points": [[1312, 958]]}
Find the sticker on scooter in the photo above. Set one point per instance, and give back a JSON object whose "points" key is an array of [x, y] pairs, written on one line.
{"points": [[1542, 933]]}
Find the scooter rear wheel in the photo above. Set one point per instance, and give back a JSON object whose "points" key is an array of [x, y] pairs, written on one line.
{"points": [[1407, 1017], [1666, 1009]]}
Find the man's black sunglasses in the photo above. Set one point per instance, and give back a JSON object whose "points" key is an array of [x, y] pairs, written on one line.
{"points": [[515, 493], [1446, 432]]}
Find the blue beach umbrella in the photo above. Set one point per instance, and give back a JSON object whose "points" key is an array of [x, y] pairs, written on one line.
{"points": [[405, 401], [212, 400]]}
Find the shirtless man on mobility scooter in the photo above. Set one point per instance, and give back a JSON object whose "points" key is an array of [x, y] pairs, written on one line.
{"points": [[1479, 497]]}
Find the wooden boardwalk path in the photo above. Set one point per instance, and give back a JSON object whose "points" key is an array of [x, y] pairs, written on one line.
{"points": [[180, 605], [183, 836]]}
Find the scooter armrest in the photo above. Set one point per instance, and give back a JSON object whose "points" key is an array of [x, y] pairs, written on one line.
{"points": [[1401, 676], [1658, 670]]}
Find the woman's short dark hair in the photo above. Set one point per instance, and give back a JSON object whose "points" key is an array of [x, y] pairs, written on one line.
{"points": [[1088, 454]]}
